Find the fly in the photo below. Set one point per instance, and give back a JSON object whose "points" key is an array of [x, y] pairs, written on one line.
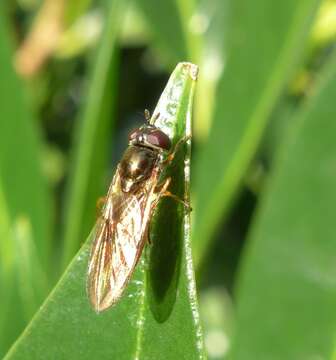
{"points": [[123, 225]]}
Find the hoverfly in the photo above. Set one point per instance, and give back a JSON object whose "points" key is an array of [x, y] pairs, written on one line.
{"points": [[123, 226]]}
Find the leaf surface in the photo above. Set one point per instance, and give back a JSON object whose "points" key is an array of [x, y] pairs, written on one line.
{"points": [[158, 316], [92, 138], [24, 199], [263, 44], [287, 287]]}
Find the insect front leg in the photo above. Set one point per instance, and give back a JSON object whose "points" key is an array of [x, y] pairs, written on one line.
{"points": [[100, 203], [171, 156]]}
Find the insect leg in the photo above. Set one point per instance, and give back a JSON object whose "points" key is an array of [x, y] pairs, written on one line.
{"points": [[100, 204], [161, 188], [163, 192], [171, 156], [147, 235], [175, 197]]}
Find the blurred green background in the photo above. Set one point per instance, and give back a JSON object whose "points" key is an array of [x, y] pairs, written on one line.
{"points": [[75, 77]]}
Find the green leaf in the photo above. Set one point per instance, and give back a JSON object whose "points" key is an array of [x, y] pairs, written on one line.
{"points": [[287, 288], [211, 20], [171, 296], [167, 31], [24, 204], [24, 186], [74, 9], [92, 138], [22, 281], [8, 329], [158, 315], [264, 43]]}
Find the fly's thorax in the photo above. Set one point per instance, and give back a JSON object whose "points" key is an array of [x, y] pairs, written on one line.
{"points": [[136, 166]]}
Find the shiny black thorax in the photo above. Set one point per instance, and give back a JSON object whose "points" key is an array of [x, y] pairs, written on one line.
{"points": [[136, 166], [147, 144]]}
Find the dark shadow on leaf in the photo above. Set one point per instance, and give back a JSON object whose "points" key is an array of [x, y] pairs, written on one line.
{"points": [[166, 235]]}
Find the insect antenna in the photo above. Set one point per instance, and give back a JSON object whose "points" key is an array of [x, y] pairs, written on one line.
{"points": [[151, 119], [147, 115]]}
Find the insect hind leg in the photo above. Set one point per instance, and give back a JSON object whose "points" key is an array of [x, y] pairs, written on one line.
{"points": [[163, 191], [178, 199]]}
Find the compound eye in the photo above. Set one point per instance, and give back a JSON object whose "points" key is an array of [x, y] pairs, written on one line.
{"points": [[159, 139], [134, 134]]}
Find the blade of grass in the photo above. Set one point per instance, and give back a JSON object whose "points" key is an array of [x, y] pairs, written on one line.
{"points": [[91, 138], [74, 9], [287, 285], [146, 323], [191, 28], [21, 176], [167, 31], [7, 276], [265, 42], [30, 278], [23, 194], [22, 282], [212, 18]]}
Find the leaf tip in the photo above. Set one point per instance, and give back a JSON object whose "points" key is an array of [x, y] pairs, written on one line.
{"points": [[190, 68]]}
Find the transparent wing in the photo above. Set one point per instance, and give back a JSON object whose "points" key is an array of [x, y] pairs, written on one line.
{"points": [[117, 246]]}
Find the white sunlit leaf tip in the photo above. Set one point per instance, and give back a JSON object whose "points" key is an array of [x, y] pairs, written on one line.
{"points": [[190, 68]]}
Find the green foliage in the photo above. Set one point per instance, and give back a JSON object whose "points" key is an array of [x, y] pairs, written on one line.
{"points": [[174, 46], [246, 95], [263, 138], [91, 142], [289, 265], [148, 315], [24, 201]]}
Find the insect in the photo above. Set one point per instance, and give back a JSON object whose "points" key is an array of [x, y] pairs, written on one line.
{"points": [[122, 228]]}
